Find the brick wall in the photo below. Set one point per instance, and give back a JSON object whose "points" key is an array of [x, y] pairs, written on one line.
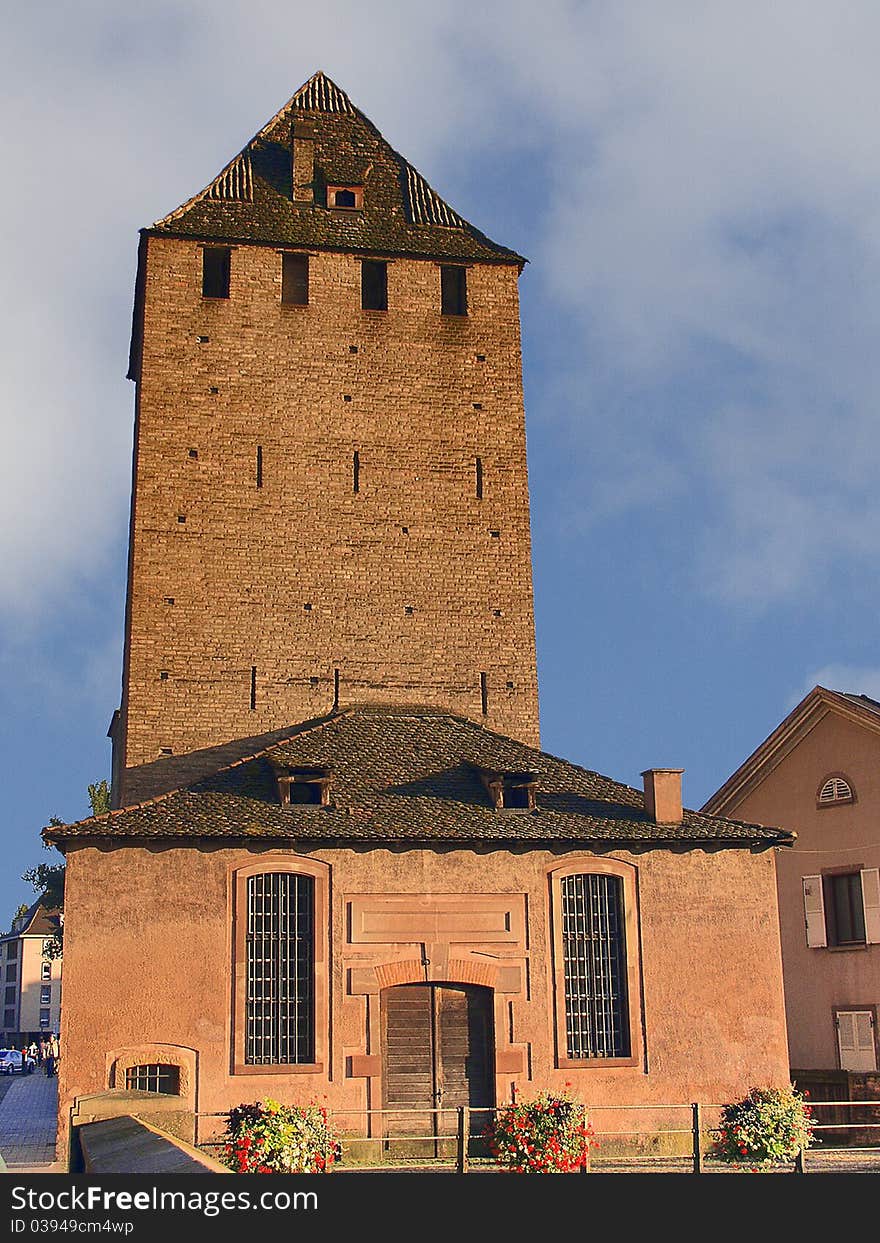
{"points": [[411, 587]]}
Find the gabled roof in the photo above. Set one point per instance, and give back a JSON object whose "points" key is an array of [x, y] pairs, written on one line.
{"points": [[251, 199], [407, 775], [860, 709], [39, 921]]}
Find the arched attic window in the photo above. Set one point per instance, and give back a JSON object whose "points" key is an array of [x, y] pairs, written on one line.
{"points": [[835, 789]]}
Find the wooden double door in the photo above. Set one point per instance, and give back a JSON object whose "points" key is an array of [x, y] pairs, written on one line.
{"points": [[437, 1054]]}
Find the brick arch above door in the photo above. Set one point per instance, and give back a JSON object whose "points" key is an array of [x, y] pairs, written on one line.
{"points": [[454, 970]]}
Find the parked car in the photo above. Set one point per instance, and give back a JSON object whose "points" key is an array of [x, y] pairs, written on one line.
{"points": [[12, 1061]]}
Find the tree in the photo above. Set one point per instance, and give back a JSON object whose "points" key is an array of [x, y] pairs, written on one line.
{"points": [[99, 797], [22, 910]]}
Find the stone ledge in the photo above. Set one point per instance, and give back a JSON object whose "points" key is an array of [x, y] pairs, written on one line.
{"points": [[127, 1145]]}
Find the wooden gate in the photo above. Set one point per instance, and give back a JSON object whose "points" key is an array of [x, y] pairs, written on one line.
{"points": [[437, 1053]]}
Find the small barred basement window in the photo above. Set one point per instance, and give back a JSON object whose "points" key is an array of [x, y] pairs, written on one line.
{"points": [[594, 962], [153, 1077], [835, 790], [216, 264], [280, 998]]}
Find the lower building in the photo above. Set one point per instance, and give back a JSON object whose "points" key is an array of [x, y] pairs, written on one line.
{"points": [[395, 909], [30, 972], [818, 774]]}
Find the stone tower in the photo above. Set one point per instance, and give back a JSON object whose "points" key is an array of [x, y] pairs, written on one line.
{"points": [[330, 497]]}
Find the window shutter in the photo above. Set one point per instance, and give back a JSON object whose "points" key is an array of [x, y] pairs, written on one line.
{"points": [[814, 911], [846, 1038], [855, 1038], [871, 904]]}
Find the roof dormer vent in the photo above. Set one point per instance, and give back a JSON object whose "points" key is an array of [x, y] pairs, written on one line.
{"points": [[348, 198], [304, 787], [510, 791]]}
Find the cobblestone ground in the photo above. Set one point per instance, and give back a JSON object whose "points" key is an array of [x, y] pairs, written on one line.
{"points": [[28, 1118]]}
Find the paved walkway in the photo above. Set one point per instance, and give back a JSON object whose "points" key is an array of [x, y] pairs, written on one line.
{"points": [[28, 1120]]}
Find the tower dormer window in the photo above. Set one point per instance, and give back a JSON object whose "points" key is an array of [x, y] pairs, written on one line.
{"points": [[304, 787], [348, 197], [510, 791]]}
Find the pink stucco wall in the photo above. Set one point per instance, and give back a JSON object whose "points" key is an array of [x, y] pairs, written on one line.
{"points": [[149, 954], [832, 837]]}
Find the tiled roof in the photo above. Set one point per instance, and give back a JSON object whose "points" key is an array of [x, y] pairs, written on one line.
{"points": [[252, 200], [864, 701], [39, 921], [408, 775]]}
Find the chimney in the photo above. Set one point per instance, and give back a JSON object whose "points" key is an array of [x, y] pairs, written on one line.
{"points": [[302, 142], [663, 794]]}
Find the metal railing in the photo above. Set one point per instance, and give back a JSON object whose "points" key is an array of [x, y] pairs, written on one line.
{"points": [[451, 1133]]}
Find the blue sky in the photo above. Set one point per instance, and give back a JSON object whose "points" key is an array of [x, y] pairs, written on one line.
{"points": [[697, 186]]}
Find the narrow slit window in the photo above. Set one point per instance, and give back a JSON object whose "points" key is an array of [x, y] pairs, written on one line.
{"points": [[478, 472], [374, 285], [259, 466], [453, 290], [253, 687], [216, 265], [356, 472], [295, 280], [484, 693]]}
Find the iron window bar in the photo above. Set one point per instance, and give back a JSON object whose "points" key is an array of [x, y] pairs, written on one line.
{"points": [[594, 962], [280, 972]]}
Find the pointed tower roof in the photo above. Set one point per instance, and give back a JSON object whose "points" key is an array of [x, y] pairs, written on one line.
{"points": [[258, 197]]}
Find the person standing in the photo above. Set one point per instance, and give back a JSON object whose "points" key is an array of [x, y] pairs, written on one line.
{"points": [[51, 1057]]}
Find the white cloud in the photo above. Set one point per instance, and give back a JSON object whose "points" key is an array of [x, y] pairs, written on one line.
{"points": [[702, 186], [848, 679]]}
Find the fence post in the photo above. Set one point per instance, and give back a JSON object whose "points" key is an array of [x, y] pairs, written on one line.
{"points": [[585, 1168], [799, 1162], [464, 1129], [698, 1150]]}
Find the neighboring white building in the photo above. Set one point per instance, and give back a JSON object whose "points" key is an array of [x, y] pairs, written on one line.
{"points": [[30, 978]]}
